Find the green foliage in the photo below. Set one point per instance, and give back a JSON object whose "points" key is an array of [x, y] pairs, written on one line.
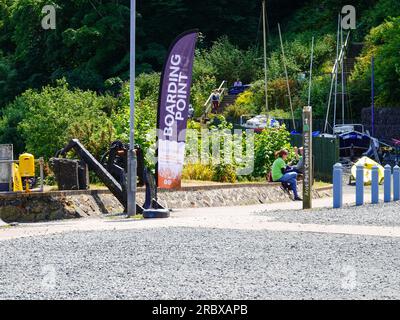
{"points": [[227, 62], [266, 144], [11, 118], [75, 50], [376, 15], [225, 173], [319, 96], [280, 114], [198, 171], [245, 104], [148, 85], [48, 119], [145, 113], [233, 112], [383, 42]]}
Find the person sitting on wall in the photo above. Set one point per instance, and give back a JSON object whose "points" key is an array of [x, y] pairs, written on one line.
{"points": [[299, 167], [279, 173]]}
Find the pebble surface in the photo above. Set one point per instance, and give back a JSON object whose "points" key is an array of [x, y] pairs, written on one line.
{"points": [[202, 263]]}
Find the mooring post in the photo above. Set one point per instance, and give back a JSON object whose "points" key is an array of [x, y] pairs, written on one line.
{"points": [[388, 184], [307, 156], [396, 183], [337, 186], [375, 185], [360, 185]]}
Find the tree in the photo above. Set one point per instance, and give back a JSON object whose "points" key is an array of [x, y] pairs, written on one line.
{"points": [[46, 120], [383, 42]]}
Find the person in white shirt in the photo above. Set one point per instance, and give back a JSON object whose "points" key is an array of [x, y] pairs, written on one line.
{"points": [[238, 83]]}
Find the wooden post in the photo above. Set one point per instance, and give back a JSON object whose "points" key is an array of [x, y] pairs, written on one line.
{"points": [[307, 156]]}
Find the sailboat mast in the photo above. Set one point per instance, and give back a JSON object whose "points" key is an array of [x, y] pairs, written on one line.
{"points": [[265, 56], [343, 80], [336, 81], [287, 77], [373, 96]]}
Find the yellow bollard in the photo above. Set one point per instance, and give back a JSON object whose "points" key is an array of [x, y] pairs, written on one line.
{"points": [[17, 181], [27, 168]]}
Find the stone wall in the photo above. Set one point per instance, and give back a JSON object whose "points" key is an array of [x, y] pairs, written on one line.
{"points": [[233, 195], [57, 205], [37, 207]]}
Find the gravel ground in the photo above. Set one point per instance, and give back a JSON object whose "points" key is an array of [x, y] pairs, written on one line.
{"points": [[199, 263], [382, 214]]}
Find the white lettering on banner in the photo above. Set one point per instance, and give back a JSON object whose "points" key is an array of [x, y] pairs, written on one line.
{"points": [[176, 96]]}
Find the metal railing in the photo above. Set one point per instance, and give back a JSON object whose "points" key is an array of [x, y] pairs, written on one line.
{"points": [[207, 106], [40, 161]]}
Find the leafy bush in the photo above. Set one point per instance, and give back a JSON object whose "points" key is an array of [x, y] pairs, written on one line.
{"points": [[233, 112], [48, 119], [227, 62], [280, 114], [225, 173], [377, 15], [319, 96], [198, 171], [266, 144], [383, 42], [145, 119]]}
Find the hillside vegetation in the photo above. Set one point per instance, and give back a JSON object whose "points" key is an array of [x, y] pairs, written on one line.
{"points": [[73, 81]]}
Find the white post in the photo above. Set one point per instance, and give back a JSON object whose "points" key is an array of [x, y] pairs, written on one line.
{"points": [[131, 188], [265, 57]]}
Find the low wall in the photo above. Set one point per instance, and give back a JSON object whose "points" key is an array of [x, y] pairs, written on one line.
{"points": [[49, 206]]}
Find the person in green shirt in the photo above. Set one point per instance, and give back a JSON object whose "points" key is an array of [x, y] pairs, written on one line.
{"points": [[279, 174]]}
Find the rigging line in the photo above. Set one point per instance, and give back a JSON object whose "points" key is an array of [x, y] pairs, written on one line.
{"points": [[342, 73], [336, 81], [287, 77], [333, 73], [333, 76]]}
